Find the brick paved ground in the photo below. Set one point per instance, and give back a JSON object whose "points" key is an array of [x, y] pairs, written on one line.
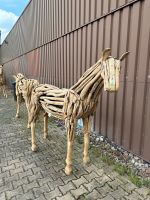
{"points": [[40, 176]]}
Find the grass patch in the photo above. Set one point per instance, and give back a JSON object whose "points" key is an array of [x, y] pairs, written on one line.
{"points": [[107, 159], [120, 168], [96, 152], [146, 183], [136, 180]]}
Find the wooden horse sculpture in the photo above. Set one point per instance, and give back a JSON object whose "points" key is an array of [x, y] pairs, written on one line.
{"points": [[79, 101], [24, 89], [2, 82]]}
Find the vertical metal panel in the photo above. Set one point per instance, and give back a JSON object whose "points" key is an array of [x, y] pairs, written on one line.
{"points": [[100, 42], [73, 9], [84, 50], [131, 75], [105, 6], [75, 55], [98, 8], [71, 59], [60, 41], [113, 4], [45, 20]]}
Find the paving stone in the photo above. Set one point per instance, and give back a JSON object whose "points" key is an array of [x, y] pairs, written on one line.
{"points": [[11, 178], [44, 181], [115, 183], [14, 192], [41, 197], [4, 174], [80, 181], [20, 182], [2, 196], [30, 186], [69, 186], [22, 163], [134, 196], [102, 180], [16, 171], [17, 160], [25, 175], [91, 185], [35, 177], [142, 191], [30, 166], [41, 190], [128, 187], [26, 196], [119, 193], [54, 184], [9, 167], [79, 191], [67, 196], [104, 190], [6, 187], [53, 194], [67, 179], [108, 197], [94, 195], [91, 176], [112, 174], [92, 168]]}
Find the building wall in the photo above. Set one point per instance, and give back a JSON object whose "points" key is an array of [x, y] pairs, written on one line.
{"points": [[55, 41]]}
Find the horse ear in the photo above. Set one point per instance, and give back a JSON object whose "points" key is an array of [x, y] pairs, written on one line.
{"points": [[124, 55], [106, 53]]}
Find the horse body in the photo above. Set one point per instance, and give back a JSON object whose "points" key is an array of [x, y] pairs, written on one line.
{"points": [[79, 101]]}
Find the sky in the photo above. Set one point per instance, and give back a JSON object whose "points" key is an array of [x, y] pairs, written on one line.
{"points": [[10, 10]]}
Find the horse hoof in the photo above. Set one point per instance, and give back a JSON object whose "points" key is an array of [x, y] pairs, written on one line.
{"points": [[68, 171], [34, 148], [28, 126], [86, 160], [45, 136]]}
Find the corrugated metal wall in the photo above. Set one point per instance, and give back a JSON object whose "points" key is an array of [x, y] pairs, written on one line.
{"points": [[55, 41]]}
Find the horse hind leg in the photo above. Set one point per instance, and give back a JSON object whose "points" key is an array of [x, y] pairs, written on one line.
{"points": [[70, 126], [87, 129], [45, 125], [34, 147], [18, 106]]}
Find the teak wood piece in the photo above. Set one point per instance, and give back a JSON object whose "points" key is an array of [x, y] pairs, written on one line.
{"points": [[2, 82], [79, 101]]}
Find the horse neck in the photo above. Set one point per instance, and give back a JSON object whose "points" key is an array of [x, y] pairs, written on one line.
{"points": [[91, 83], [19, 89]]}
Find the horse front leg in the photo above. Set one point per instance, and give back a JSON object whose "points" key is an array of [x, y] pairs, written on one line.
{"points": [[70, 126], [45, 125], [28, 124], [28, 110], [18, 106], [86, 130], [33, 140]]}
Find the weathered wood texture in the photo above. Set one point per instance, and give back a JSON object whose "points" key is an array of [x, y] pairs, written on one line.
{"points": [[79, 101], [2, 82]]}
